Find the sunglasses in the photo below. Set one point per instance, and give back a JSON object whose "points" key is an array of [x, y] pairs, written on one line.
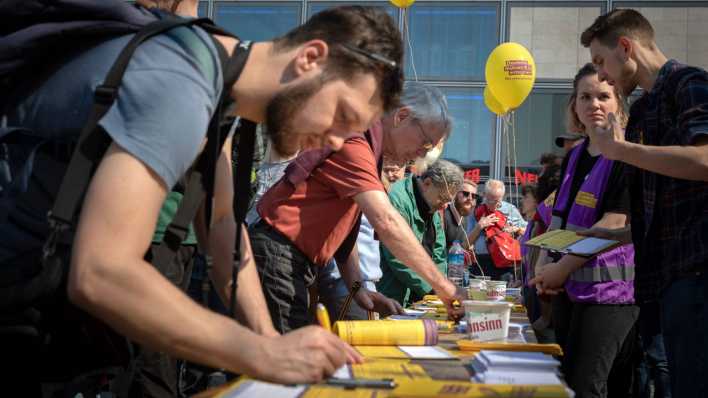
{"points": [[467, 194], [372, 56]]}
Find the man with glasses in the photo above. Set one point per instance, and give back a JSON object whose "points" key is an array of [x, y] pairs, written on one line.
{"points": [[455, 216], [494, 191], [312, 214], [419, 200]]}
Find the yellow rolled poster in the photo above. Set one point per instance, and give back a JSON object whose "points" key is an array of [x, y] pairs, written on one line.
{"points": [[386, 332]]}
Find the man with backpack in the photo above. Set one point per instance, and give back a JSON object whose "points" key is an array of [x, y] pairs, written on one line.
{"points": [[320, 82]]}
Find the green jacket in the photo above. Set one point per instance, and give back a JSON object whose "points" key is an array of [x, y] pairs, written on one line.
{"points": [[398, 281], [167, 213]]}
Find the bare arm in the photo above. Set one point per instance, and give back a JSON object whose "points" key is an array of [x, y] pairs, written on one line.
{"points": [[366, 299], [395, 233], [110, 279], [250, 303], [686, 162], [553, 275]]}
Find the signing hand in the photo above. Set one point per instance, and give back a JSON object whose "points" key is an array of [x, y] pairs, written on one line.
{"points": [[306, 355], [610, 140], [448, 296], [377, 302]]}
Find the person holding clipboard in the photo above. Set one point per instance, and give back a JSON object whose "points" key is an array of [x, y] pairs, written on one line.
{"points": [[596, 314]]}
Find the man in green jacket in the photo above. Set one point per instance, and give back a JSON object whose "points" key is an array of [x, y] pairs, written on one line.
{"points": [[419, 200]]}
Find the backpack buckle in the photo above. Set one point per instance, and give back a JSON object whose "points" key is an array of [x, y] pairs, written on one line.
{"points": [[56, 228], [105, 94]]}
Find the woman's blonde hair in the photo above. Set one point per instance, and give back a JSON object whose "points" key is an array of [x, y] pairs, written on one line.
{"points": [[573, 123]]}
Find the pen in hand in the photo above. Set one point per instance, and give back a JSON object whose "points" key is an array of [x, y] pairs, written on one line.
{"points": [[323, 317]]}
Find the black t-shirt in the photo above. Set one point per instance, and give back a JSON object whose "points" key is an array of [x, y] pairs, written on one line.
{"points": [[616, 196], [453, 230], [426, 214]]}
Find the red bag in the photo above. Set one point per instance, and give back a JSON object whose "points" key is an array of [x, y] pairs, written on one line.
{"points": [[502, 247]]}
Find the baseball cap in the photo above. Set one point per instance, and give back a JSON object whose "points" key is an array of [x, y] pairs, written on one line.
{"points": [[566, 136]]}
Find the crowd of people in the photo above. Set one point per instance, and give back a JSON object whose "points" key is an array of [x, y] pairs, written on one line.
{"points": [[343, 206]]}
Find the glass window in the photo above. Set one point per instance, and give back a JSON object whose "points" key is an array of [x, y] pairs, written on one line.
{"points": [[470, 143], [537, 122], [315, 7], [451, 40], [677, 28], [552, 35], [257, 21], [203, 10]]}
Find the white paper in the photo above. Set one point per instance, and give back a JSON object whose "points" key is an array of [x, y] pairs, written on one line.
{"points": [[517, 360], [542, 378], [425, 352], [262, 389], [343, 373]]}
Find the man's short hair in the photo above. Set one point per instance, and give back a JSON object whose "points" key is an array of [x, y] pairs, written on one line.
{"points": [[469, 182], [608, 28], [493, 185], [444, 175], [361, 40], [427, 104]]}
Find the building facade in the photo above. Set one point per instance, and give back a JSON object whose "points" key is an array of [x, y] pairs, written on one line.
{"points": [[448, 45]]}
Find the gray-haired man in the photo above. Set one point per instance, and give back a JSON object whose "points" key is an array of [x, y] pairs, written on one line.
{"points": [[311, 215], [419, 201]]}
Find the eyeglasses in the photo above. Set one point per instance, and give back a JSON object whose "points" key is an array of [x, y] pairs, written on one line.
{"points": [[373, 56], [427, 142], [468, 194]]}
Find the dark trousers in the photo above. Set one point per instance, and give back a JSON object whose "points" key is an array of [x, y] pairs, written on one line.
{"points": [[654, 368], [156, 372], [598, 341], [286, 275], [684, 322]]}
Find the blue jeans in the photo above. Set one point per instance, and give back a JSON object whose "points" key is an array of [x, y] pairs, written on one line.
{"points": [[654, 368], [684, 321]]}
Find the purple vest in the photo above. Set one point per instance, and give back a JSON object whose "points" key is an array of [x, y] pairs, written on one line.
{"points": [[609, 277], [543, 210]]}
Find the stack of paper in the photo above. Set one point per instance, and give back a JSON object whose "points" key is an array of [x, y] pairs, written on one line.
{"points": [[508, 367]]}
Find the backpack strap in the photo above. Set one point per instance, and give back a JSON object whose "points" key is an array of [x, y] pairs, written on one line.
{"points": [[242, 195], [93, 142], [200, 184]]}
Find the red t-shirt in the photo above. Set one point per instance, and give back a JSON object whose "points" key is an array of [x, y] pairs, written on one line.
{"points": [[318, 214]]}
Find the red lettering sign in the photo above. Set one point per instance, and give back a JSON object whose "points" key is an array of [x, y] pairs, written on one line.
{"points": [[473, 175], [522, 177]]}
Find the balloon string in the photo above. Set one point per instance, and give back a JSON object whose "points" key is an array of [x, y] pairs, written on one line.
{"points": [[407, 33]]}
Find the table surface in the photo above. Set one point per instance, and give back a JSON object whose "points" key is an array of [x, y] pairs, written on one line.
{"points": [[454, 369]]}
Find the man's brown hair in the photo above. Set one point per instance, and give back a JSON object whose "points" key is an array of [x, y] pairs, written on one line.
{"points": [[360, 40], [608, 28]]}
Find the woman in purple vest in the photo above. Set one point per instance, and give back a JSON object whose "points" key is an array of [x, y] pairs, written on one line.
{"points": [[596, 314]]}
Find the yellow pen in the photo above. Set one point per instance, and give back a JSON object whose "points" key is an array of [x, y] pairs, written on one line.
{"points": [[323, 317]]}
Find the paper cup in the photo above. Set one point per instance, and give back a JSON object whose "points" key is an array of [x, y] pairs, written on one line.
{"points": [[496, 290], [487, 320]]}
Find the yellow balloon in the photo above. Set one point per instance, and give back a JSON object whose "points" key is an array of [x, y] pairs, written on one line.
{"points": [[493, 104], [510, 73], [402, 3]]}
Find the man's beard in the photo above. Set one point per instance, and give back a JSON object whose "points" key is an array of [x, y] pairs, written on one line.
{"points": [[281, 111], [462, 209]]}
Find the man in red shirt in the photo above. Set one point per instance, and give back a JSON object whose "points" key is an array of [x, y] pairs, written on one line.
{"points": [[312, 213]]}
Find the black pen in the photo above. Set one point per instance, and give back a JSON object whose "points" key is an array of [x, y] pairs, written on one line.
{"points": [[362, 383]]}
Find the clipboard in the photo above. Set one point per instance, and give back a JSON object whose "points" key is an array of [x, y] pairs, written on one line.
{"points": [[568, 242]]}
